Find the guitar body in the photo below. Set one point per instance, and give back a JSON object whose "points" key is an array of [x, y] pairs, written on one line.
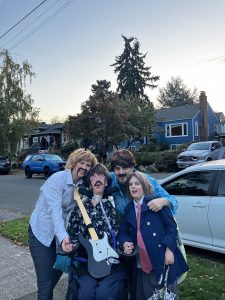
{"points": [[101, 256]]}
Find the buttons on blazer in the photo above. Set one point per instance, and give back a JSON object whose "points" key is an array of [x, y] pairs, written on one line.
{"points": [[159, 245], [154, 234], [148, 223]]}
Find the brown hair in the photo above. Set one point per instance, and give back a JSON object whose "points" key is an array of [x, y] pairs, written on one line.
{"points": [[147, 187], [79, 155], [123, 158], [99, 169]]}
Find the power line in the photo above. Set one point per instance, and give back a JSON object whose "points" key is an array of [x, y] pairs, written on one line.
{"points": [[41, 24], [22, 19], [15, 36]]}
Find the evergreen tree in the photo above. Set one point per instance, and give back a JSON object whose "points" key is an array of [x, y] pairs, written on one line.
{"points": [[176, 93], [132, 74]]}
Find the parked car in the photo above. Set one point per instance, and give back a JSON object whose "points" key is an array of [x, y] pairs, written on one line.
{"points": [[42, 163], [5, 165], [200, 152], [200, 192]]}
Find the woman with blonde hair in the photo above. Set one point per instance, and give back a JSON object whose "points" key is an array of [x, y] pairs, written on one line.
{"points": [[48, 220]]}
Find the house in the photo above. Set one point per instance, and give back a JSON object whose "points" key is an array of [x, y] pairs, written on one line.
{"points": [[46, 135], [187, 124]]}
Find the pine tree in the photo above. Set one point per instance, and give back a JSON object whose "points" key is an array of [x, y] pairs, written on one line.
{"points": [[132, 74], [176, 93]]}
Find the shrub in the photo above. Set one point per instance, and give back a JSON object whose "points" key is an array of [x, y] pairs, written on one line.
{"points": [[162, 160]]}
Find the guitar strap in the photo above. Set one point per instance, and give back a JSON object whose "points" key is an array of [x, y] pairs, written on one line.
{"points": [[109, 225], [106, 220]]}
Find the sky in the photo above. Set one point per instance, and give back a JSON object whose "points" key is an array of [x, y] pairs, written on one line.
{"points": [[72, 43]]}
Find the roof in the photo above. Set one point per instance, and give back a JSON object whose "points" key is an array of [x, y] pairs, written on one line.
{"points": [[178, 112], [45, 132]]}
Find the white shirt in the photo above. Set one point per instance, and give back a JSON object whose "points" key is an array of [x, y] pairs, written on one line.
{"points": [[53, 206]]}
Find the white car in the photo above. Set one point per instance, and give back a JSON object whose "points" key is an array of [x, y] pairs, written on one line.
{"points": [[200, 152], [200, 193]]}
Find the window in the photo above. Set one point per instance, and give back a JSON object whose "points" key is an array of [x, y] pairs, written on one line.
{"points": [[196, 128], [176, 129], [191, 184], [35, 140], [174, 146], [221, 188]]}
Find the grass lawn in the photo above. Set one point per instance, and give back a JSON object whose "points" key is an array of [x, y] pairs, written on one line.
{"points": [[205, 280]]}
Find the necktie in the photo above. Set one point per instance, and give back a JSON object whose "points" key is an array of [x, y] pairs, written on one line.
{"points": [[146, 265]]}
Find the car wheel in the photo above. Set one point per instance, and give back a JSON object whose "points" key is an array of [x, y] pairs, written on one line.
{"points": [[209, 159], [28, 172], [47, 173]]}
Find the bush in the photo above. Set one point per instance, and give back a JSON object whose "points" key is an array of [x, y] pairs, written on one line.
{"points": [[164, 161]]}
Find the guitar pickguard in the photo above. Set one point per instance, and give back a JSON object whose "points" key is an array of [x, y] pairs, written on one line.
{"points": [[101, 256]]}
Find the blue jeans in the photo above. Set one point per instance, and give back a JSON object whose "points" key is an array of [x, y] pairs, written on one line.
{"points": [[44, 259]]}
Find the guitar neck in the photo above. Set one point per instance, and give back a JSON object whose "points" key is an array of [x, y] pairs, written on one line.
{"points": [[85, 216]]}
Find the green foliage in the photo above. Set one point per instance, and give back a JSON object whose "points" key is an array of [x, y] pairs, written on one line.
{"points": [[100, 121], [17, 113], [164, 161], [132, 74], [176, 93], [205, 280], [16, 230]]}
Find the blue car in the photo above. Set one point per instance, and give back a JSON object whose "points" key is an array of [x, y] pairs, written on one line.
{"points": [[43, 163]]}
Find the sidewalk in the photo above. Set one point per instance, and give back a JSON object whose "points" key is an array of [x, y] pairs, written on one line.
{"points": [[17, 276]]}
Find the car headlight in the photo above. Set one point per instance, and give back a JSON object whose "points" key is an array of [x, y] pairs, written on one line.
{"points": [[201, 157]]}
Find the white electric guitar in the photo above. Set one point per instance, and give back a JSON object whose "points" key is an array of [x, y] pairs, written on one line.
{"points": [[101, 256]]}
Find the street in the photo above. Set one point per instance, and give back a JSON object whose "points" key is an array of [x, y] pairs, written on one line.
{"points": [[19, 194]]}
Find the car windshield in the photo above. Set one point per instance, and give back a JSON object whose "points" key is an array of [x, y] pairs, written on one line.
{"points": [[199, 146], [52, 157]]}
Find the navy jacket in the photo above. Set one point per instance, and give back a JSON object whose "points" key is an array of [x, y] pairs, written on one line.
{"points": [[159, 231]]}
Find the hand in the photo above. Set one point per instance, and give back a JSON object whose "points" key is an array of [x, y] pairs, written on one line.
{"points": [[128, 247], [66, 245], [157, 204], [169, 257]]}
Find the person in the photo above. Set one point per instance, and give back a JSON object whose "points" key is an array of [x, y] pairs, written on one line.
{"points": [[122, 164], [155, 233], [103, 219], [47, 222]]}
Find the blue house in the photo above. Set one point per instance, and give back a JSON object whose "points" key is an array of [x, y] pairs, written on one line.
{"points": [[187, 124]]}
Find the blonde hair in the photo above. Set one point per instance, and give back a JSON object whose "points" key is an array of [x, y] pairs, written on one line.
{"points": [[79, 155], [147, 187]]}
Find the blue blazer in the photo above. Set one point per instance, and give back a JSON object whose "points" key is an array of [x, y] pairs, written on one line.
{"points": [[159, 231]]}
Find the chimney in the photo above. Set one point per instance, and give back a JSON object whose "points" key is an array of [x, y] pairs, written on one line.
{"points": [[204, 116]]}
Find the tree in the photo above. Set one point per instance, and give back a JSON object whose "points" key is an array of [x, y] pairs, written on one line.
{"points": [[16, 106], [176, 93], [132, 74], [107, 120], [100, 122]]}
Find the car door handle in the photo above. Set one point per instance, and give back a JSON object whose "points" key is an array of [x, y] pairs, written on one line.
{"points": [[198, 204]]}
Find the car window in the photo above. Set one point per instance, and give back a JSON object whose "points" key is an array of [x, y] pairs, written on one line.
{"points": [[221, 188], [53, 157], [199, 146], [191, 184], [35, 158]]}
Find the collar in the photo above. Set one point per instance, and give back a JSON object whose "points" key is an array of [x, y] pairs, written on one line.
{"points": [[139, 202]]}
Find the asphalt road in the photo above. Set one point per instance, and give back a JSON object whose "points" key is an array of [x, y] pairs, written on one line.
{"points": [[19, 194]]}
